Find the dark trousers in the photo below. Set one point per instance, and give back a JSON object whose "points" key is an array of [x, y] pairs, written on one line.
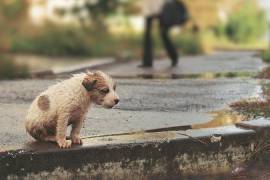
{"points": [[148, 44]]}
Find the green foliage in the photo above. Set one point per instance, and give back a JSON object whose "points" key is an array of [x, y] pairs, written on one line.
{"points": [[246, 25], [95, 11], [117, 46], [101, 7], [63, 41], [266, 56], [12, 10], [220, 30], [94, 40], [12, 16], [54, 40], [189, 43], [9, 70]]}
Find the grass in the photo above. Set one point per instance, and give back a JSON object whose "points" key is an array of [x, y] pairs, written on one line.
{"points": [[266, 56], [264, 74], [222, 42], [189, 43], [255, 107]]}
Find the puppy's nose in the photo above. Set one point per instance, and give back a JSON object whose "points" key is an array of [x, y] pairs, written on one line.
{"points": [[116, 101]]}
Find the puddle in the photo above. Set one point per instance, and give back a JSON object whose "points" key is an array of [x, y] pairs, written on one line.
{"points": [[221, 118], [243, 110], [206, 75]]}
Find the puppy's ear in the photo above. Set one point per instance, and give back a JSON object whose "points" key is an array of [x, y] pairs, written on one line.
{"points": [[89, 83], [98, 73]]}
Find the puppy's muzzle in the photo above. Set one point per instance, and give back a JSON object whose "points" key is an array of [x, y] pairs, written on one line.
{"points": [[116, 101]]}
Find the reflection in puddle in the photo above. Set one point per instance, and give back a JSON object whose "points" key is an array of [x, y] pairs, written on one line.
{"points": [[221, 118], [207, 75], [213, 75], [234, 115]]}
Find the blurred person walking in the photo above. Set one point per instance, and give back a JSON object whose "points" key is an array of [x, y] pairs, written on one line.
{"points": [[169, 13]]}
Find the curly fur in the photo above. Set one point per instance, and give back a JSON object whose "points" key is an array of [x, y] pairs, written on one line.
{"points": [[67, 103]]}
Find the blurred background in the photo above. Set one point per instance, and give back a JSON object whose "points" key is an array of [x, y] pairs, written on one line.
{"points": [[40, 34]]}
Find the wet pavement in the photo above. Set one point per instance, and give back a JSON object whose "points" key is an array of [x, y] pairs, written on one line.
{"points": [[59, 65], [220, 62], [151, 111], [145, 104]]}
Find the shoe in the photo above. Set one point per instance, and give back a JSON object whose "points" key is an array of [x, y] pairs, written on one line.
{"points": [[175, 63], [144, 66]]}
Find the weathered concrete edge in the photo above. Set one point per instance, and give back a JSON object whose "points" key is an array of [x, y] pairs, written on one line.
{"points": [[63, 73], [175, 157], [83, 67]]}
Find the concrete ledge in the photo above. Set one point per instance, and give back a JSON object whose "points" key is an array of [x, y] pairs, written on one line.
{"points": [[92, 64], [141, 155], [260, 124]]}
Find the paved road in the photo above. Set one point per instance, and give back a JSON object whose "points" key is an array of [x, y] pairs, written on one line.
{"points": [[145, 104]]}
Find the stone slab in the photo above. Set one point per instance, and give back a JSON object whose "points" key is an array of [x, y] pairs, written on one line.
{"points": [[256, 124]]}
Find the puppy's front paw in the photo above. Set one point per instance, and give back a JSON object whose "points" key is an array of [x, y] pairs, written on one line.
{"points": [[64, 143], [76, 139]]}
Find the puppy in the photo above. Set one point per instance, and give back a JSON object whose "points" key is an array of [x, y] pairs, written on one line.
{"points": [[67, 103]]}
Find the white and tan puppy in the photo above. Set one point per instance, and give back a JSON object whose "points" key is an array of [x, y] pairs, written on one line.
{"points": [[67, 103]]}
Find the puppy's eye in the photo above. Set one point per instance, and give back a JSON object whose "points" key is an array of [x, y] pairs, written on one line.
{"points": [[104, 91], [114, 87]]}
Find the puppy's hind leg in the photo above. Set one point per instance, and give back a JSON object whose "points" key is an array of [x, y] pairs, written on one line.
{"points": [[50, 138]]}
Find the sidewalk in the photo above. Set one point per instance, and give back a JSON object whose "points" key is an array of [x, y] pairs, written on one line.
{"points": [[206, 66], [145, 104], [191, 128]]}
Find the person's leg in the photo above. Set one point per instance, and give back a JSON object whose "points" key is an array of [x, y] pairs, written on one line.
{"points": [[148, 45], [171, 50]]}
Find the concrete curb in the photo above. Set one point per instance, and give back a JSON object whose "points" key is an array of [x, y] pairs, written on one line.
{"points": [[93, 64], [101, 63], [169, 154], [160, 75]]}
